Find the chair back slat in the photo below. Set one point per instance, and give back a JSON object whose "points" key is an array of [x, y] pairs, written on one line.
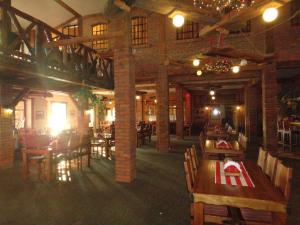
{"points": [[283, 179], [188, 159], [188, 177], [202, 141], [270, 167], [262, 156], [194, 157]]}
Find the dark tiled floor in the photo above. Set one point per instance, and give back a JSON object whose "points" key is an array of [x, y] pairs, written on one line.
{"points": [[157, 197]]}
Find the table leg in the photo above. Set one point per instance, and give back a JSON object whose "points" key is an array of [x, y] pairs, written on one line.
{"points": [[106, 148], [198, 209], [89, 156], [25, 164], [48, 167], [279, 218]]}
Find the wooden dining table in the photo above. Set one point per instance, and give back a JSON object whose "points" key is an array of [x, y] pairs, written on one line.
{"points": [[264, 196], [48, 152], [214, 135], [210, 149], [106, 137]]}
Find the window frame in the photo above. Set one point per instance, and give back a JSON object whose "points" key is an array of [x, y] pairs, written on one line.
{"points": [[75, 28], [100, 45], [139, 36], [190, 30]]}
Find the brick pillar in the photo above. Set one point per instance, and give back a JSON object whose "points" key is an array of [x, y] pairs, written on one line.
{"points": [[251, 106], [269, 107], [162, 113], [124, 77], [187, 106], [6, 139], [179, 113]]}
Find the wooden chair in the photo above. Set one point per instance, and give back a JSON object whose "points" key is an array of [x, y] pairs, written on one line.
{"points": [[280, 132], [270, 167], [242, 139], [194, 155], [262, 156], [283, 182], [212, 213], [283, 179], [202, 141], [192, 169]]}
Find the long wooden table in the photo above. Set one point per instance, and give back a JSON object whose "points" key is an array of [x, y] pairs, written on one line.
{"points": [[212, 134], [210, 149], [264, 196]]}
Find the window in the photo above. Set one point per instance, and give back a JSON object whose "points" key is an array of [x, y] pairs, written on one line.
{"points": [[189, 30], [246, 28], [71, 30], [99, 29], [295, 6], [139, 31]]}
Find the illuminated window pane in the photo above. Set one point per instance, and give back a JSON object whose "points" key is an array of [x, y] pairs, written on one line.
{"points": [[99, 29], [139, 32], [189, 30]]}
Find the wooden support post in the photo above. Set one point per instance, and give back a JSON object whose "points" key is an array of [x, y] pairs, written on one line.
{"points": [[269, 107], [5, 26], [162, 92], [125, 129], [39, 39], [251, 109], [179, 113]]}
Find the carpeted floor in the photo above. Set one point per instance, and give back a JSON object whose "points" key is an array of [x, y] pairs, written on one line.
{"points": [[157, 197]]}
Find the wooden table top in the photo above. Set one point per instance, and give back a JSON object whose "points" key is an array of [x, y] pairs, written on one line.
{"points": [[211, 147], [297, 124], [264, 196]]}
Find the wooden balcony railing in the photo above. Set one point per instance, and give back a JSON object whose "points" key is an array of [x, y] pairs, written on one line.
{"points": [[77, 64]]}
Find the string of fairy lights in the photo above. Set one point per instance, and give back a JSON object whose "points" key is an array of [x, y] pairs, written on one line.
{"points": [[223, 5]]}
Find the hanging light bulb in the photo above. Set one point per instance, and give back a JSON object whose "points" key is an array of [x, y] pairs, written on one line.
{"points": [[270, 14], [213, 97], [244, 62], [178, 20], [199, 73], [137, 97], [212, 92], [235, 69], [196, 62]]}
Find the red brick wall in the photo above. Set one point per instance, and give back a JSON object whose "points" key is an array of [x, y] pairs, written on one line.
{"points": [[6, 139]]}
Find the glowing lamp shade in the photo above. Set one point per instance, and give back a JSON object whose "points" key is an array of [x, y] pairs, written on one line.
{"points": [[137, 97], [212, 92], [199, 73], [270, 15], [155, 101], [178, 20], [216, 112], [238, 107], [206, 108], [213, 97], [235, 69], [196, 62]]}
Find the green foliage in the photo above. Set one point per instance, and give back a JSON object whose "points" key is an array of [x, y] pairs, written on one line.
{"points": [[88, 100]]}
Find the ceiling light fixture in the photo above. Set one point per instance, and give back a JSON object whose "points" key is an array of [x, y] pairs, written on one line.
{"points": [[235, 69], [212, 92], [178, 20], [270, 14], [213, 97], [196, 62], [199, 73]]}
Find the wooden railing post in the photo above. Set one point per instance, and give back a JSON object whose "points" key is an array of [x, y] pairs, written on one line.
{"points": [[39, 39], [5, 25]]}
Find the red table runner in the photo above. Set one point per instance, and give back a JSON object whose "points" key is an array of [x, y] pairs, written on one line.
{"points": [[242, 180]]}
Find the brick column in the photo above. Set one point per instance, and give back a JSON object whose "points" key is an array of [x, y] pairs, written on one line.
{"points": [[124, 77], [187, 106], [179, 113], [251, 106], [269, 107], [6, 139], [162, 113]]}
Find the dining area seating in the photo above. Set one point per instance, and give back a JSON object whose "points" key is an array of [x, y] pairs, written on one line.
{"points": [[258, 195], [288, 133], [68, 148]]}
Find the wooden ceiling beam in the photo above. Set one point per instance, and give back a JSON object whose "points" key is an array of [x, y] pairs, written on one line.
{"points": [[122, 5], [243, 14], [166, 7], [66, 22], [68, 8]]}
